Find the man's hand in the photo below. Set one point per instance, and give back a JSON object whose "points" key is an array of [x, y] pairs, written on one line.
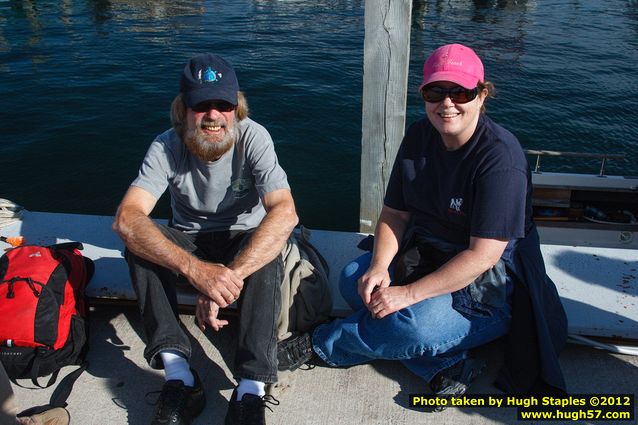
{"points": [[390, 299], [206, 311], [216, 281], [270, 237], [372, 280]]}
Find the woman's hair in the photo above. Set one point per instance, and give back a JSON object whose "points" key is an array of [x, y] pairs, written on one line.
{"points": [[491, 92], [178, 111]]}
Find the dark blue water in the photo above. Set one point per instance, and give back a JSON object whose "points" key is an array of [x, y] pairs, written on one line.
{"points": [[86, 85]]}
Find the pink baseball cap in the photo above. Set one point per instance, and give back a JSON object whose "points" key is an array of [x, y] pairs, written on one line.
{"points": [[453, 62]]}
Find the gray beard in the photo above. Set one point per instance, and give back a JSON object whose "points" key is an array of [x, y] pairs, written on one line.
{"points": [[198, 144]]}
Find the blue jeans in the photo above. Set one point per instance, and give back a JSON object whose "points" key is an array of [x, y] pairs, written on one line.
{"points": [[426, 337], [259, 303]]}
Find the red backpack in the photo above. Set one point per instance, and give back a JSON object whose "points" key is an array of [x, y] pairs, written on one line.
{"points": [[43, 309]]}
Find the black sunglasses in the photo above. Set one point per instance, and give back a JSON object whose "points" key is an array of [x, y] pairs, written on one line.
{"points": [[457, 94], [220, 105]]}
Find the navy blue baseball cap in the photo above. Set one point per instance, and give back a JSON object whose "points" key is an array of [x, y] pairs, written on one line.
{"points": [[208, 77]]}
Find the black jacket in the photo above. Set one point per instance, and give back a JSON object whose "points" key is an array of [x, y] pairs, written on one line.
{"points": [[538, 329]]}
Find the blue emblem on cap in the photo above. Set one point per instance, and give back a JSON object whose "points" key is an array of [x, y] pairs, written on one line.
{"points": [[211, 76]]}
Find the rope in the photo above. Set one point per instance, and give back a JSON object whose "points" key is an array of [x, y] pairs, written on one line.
{"points": [[10, 212]]}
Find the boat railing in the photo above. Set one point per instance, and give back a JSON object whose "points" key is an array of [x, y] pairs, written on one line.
{"points": [[602, 156]]}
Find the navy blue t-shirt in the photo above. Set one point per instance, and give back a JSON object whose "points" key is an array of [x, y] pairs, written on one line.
{"points": [[482, 189]]}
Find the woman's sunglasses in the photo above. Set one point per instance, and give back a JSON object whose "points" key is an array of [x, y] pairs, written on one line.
{"points": [[458, 94]]}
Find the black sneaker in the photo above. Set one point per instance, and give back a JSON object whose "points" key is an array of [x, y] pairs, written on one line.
{"points": [[251, 410], [179, 404], [454, 381], [294, 351]]}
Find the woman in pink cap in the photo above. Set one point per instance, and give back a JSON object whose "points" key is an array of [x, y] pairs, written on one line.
{"points": [[456, 260]]}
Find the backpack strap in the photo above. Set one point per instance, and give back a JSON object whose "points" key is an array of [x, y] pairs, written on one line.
{"points": [[63, 390], [67, 245], [60, 394], [88, 263], [35, 369], [90, 268]]}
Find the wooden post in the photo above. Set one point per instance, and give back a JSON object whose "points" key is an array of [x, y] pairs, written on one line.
{"points": [[386, 58]]}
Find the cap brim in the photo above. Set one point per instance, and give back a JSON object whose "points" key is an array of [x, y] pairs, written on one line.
{"points": [[467, 81], [198, 96]]}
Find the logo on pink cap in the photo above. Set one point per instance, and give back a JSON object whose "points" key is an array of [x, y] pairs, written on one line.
{"points": [[453, 62]]}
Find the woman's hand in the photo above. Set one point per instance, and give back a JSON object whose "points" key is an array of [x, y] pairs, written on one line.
{"points": [[372, 280], [389, 299], [206, 311]]}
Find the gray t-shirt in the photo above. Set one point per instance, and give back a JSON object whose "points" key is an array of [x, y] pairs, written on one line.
{"points": [[220, 195]]}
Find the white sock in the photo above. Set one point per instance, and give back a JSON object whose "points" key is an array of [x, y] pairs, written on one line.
{"points": [[248, 386], [176, 367]]}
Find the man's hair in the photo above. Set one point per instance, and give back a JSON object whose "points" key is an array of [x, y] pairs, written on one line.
{"points": [[178, 111]]}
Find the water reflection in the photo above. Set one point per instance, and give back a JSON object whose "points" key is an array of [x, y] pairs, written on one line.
{"points": [[100, 75], [4, 44], [100, 10], [153, 11], [505, 19], [30, 11], [632, 14], [504, 4]]}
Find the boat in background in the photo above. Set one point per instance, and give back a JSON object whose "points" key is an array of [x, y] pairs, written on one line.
{"points": [[589, 240], [584, 209]]}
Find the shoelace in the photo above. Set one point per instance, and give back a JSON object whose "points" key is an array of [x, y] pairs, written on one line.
{"points": [[251, 412], [270, 400]]}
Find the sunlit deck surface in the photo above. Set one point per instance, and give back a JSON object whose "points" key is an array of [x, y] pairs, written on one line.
{"points": [[598, 287], [113, 389]]}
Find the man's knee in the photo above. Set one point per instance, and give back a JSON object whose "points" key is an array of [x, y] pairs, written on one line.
{"points": [[127, 254], [132, 261], [135, 262], [271, 274]]}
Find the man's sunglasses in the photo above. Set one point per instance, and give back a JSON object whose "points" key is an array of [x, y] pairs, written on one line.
{"points": [[457, 94], [219, 105]]}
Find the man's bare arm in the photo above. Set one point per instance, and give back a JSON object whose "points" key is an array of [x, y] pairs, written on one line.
{"points": [[142, 237], [270, 236]]}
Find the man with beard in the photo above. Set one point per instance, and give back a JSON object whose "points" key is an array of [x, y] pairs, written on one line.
{"points": [[232, 212]]}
